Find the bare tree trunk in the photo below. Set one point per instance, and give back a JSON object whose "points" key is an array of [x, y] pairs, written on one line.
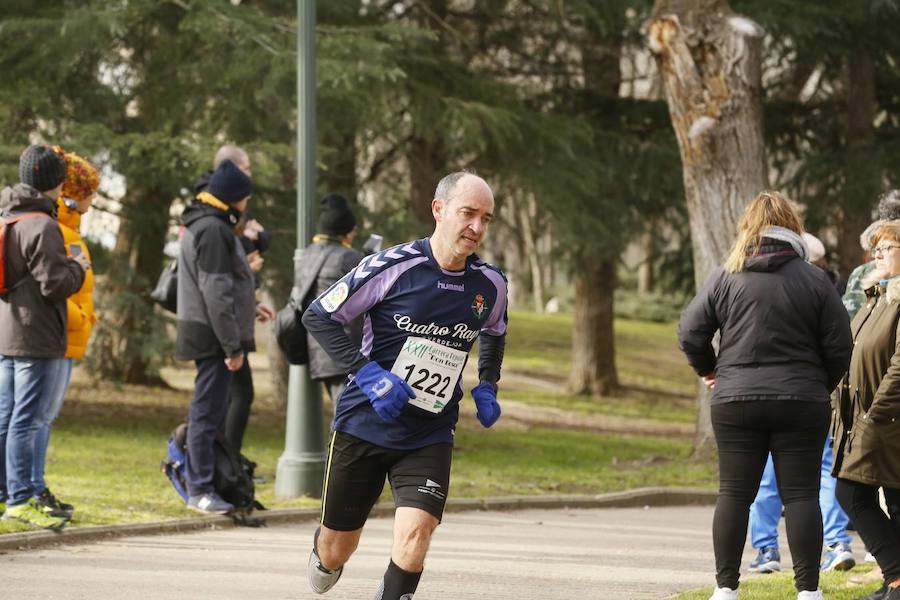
{"points": [[709, 61], [340, 174], [129, 339], [863, 178], [593, 336], [593, 350], [645, 269], [426, 157], [425, 164], [529, 218]]}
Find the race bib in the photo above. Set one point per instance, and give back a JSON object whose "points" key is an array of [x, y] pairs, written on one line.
{"points": [[431, 369]]}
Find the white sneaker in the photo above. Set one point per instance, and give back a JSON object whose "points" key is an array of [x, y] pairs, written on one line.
{"points": [[816, 595], [724, 594]]}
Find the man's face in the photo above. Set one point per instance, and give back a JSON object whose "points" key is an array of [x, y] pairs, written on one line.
{"points": [[463, 219]]}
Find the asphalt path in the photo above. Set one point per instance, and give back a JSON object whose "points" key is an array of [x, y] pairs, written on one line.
{"points": [[560, 554]]}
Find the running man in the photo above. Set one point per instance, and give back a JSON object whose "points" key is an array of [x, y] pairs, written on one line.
{"points": [[424, 304]]}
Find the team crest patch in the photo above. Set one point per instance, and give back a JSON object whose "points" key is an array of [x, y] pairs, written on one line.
{"points": [[334, 297], [479, 306]]}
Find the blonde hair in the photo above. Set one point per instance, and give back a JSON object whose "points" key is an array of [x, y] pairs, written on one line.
{"points": [[768, 209]]}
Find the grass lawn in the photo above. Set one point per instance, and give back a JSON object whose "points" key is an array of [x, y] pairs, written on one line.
{"points": [[106, 450], [781, 586], [107, 446], [657, 382]]}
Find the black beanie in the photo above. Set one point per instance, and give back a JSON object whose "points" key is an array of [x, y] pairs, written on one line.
{"points": [[229, 184], [41, 167], [335, 216]]}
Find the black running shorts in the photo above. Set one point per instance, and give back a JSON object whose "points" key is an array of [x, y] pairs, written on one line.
{"points": [[355, 473]]}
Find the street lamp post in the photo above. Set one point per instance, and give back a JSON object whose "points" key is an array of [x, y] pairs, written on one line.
{"points": [[301, 466]]}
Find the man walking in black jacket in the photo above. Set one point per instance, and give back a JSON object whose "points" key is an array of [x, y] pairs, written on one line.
{"points": [[255, 240], [216, 310]]}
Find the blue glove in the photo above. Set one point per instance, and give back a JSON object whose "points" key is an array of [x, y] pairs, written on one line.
{"points": [[387, 392], [487, 409]]}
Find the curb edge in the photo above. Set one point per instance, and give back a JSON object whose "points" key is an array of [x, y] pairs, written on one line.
{"points": [[647, 497]]}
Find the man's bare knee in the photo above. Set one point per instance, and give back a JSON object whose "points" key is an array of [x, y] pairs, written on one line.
{"points": [[413, 530], [335, 547]]}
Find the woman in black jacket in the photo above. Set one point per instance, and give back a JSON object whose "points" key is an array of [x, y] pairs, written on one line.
{"points": [[784, 345]]}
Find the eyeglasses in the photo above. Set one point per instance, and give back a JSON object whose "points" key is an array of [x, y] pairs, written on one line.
{"points": [[883, 250]]}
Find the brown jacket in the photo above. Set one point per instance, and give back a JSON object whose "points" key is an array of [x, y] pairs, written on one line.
{"points": [[39, 276], [867, 429]]}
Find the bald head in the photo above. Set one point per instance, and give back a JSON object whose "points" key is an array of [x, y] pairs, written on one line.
{"points": [[461, 183], [235, 154]]}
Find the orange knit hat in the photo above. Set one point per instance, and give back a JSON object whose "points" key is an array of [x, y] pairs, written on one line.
{"points": [[82, 178]]}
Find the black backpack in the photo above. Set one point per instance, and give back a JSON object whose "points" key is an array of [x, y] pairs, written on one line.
{"points": [[166, 291], [289, 330], [233, 478]]}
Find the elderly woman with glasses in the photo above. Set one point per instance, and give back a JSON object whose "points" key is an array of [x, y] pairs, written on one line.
{"points": [[867, 440]]}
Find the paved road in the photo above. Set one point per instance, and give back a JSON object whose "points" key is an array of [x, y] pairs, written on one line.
{"points": [[537, 554]]}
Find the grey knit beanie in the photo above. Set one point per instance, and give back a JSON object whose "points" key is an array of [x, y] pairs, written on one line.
{"points": [[41, 167]]}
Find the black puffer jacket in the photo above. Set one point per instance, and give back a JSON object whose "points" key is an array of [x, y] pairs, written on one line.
{"points": [[216, 292], [785, 334]]}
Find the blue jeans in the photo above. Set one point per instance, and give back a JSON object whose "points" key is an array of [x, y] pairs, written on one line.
{"points": [[23, 382], [765, 511], [59, 375]]}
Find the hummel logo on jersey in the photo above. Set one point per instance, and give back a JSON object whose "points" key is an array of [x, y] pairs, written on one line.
{"points": [[432, 484], [376, 261], [453, 287]]}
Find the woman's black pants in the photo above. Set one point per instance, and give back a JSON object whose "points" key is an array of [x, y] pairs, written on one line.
{"points": [[880, 532], [794, 432]]}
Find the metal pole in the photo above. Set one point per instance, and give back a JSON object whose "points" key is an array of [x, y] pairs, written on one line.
{"points": [[302, 465]]}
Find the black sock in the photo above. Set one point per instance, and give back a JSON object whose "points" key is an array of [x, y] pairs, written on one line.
{"points": [[397, 584]]}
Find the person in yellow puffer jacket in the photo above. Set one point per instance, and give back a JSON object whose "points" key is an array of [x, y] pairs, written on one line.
{"points": [[79, 189]]}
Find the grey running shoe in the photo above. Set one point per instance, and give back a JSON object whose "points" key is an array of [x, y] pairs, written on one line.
{"points": [[321, 579], [210, 503], [767, 561], [838, 557]]}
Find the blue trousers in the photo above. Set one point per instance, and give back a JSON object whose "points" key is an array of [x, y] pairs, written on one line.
{"points": [[765, 511], [23, 382], [59, 376]]}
